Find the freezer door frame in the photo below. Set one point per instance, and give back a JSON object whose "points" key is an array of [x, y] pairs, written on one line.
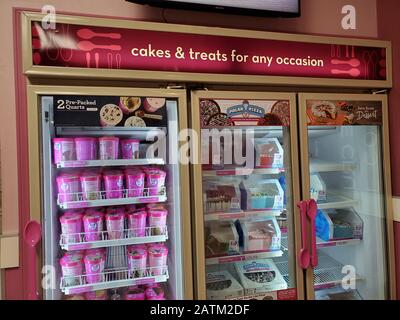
{"points": [[386, 176], [197, 187], [35, 171]]}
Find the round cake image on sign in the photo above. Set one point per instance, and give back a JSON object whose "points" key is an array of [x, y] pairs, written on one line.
{"points": [[110, 115]]}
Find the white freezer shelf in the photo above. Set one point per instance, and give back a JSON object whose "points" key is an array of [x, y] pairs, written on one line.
{"points": [[324, 244], [328, 273], [241, 215], [109, 163], [243, 257], [241, 172], [115, 278], [78, 241], [337, 201], [318, 165], [80, 202]]}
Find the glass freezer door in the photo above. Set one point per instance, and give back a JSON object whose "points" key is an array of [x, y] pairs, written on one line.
{"points": [[344, 167], [244, 195]]}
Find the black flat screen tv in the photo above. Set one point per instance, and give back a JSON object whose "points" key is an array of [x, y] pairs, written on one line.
{"points": [[266, 8]]}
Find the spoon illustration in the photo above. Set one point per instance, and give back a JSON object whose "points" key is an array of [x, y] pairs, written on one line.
{"points": [[353, 72], [312, 213], [89, 34], [351, 62], [32, 235], [89, 46], [304, 256]]}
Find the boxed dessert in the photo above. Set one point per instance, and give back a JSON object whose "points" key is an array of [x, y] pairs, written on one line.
{"points": [[262, 194], [259, 276], [221, 197], [221, 285], [221, 239], [268, 153], [333, 224], [259, 236], [317, 187]]}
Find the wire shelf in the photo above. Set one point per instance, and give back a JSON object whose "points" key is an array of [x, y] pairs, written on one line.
{"points": [[114, 278], [102, 198], [85, 240], [102, 163]]}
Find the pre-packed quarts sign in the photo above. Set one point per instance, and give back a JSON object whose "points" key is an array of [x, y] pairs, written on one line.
{"points": [[71, 45], [109, 111], [342, 112]]}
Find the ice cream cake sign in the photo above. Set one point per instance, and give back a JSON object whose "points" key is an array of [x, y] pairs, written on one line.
{"points": [[96, 47], [338, 112]]}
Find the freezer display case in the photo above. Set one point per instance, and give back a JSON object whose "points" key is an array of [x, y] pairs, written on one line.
{"points": [[345, 169], [112, 198], [243, 196]]}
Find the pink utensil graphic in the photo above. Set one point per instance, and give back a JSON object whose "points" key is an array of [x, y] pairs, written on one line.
{"points": [[110, 57], [36, 44], [353, 72], [32, 235], [312, 213], [89, 46], [118, 60], [88, 59], [347, 51], [352, 52], [370, 63], [89, 34], [96, 59], [37, 58], [352, 62], [382, 63], [66, 53], [304, 255]]}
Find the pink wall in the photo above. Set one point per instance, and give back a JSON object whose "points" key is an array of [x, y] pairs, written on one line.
{"points": [[319, 17]]}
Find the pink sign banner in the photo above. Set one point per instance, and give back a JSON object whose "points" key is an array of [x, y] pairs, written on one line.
{"points": [[79, 46]]}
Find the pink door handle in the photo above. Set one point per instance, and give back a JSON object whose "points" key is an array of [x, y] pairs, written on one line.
{"points": [[32, 235], [304, 254], [312, 213]]}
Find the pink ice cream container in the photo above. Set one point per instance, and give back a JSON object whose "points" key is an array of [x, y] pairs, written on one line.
{"points": [[96, 295], [137, 223], [96, 251], [71, 268], [93, 225], [108, 148], [130, 207], [130, 148], [94, 266], [154, 293], [137, 260], [157, 218], [86, 148], [135, 183], [113, 184], [91, 185], [157, 258], [115, 223], [68, 186], [135, 294], [71, 227], [63, 149], [155, 180]]}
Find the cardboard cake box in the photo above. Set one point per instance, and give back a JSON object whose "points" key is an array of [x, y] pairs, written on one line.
{"points": [[335, 224], [220, 196], [259, 276], [221, 239], [269, 153], [261, 194], [259, 235], [221, 285], [317, 187]]}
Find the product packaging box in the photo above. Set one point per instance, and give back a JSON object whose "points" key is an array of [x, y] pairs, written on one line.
{"points": [[317, 187], [221, 239], [259, 235], [221, 197], [268, 153], [221, 285], [262, 194], [334, 224], [259, 276]]}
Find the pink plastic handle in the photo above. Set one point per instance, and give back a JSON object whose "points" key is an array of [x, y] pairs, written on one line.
{"points": [[312, 214], [32, 235], [303, 256]]}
